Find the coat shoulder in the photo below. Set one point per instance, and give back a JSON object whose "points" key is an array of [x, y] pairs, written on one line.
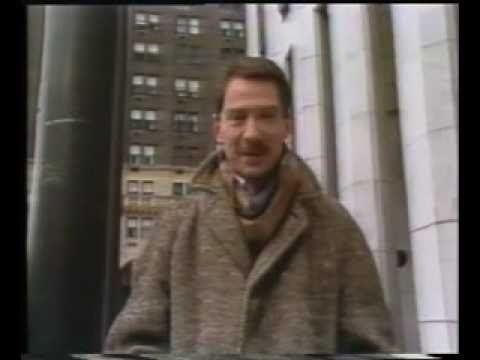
{"points": [[328, 210]]}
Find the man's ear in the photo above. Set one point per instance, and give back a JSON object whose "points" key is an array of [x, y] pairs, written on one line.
{"points": [[289, 131], [216, 129], [289, 126]]}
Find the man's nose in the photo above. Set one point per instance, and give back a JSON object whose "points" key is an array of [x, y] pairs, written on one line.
{"points": [[251, 128]]}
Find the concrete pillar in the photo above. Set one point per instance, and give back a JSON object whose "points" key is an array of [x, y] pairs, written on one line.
{"points": [[72, 221], [325, 98], [426, 45], [298, 43], [253, 24], [35, 19], [370, 175]]}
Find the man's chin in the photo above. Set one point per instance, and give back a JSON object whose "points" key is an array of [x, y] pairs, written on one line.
{"points": [[253, 172]]}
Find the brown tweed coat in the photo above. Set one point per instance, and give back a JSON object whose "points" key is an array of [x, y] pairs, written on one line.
{"points": [[314, 288]]}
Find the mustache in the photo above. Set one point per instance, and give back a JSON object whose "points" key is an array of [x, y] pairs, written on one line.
{"points": [[253, 146]]}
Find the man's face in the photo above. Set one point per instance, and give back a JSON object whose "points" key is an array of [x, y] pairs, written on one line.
{"points": [[252, 127]]}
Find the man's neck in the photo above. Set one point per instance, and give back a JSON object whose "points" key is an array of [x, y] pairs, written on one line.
{"points": [[253, 185]]}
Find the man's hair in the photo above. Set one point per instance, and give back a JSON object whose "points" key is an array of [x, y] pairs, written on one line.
{"points": [[256, 68]]}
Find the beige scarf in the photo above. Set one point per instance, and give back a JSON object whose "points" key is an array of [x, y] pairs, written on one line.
{"points": [[273, 201]]}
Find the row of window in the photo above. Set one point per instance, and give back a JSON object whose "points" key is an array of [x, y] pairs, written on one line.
{"points": [[144, 51], [232, 29], [140, 187], [188, 25], [149, 84], [146, 154], [142, 154], [185, 122], [147, 119], [187, 87], [139, 227], [148, 48], [151, 81], [145, 187]]}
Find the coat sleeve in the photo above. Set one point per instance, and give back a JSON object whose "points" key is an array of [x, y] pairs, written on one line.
{"points": [[364, 320], [142, 326]]}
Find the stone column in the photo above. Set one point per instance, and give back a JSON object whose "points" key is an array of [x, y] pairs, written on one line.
{"points": [[253, 23], [370, 174], [426, 45], [72, 221]]}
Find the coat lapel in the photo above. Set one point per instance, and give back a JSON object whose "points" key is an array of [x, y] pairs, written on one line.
{"points": [[294, 225], [226, 228]]}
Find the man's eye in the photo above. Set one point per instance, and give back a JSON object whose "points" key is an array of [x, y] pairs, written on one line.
{"points": [[237, 117], [267, 115]]}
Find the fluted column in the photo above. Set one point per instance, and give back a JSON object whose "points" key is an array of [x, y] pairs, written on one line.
{"points": [[370, 174], [426, 45]]}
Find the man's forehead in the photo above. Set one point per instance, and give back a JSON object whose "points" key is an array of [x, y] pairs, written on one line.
{"points": [[244, 87], [263, 107]]}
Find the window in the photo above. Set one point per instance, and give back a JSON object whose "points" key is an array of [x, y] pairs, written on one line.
{"points": [[153, 49], [180, 188], [132, 186], [139, 228], [143, 119], [148, 155], [193, 118], [225, 26], [146, 228], [152, 81], [150, 115], [188, 25], [137, 80], [153, 19], [227, 53], [239, 29], [185, 122], [145, 84], [144, 21], [134, 154], [152, 84], [181, 25], [132, 228], [140, 19], [194, 24], [187, 87], [193, 86], [177, 189], [148, 51], [136, 115], [147, 187], [232, 29], [181, 87], [142, 155], [139, 47]]}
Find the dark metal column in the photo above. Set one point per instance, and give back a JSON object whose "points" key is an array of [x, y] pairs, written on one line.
{"points": [[71, 199]]}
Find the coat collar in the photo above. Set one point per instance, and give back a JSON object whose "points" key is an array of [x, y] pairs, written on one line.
{"points": [[225, 225], [226, 228]]}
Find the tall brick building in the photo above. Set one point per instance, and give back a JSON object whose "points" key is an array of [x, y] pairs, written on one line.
{"points": [[175, 54]]}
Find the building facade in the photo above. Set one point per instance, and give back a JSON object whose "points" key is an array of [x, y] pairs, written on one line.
{"points": [[174, 56], [376, 117]]}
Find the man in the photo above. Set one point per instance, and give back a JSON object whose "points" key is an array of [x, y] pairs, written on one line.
{"points": [[258, 259]]}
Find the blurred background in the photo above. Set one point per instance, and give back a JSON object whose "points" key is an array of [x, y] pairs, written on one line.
{"points": [[120, 104]]}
